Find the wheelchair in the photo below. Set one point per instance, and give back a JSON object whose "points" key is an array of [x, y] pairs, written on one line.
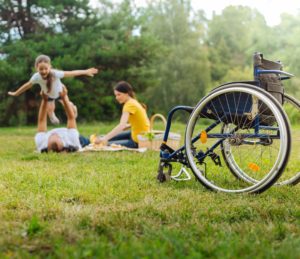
{"points": [[238, 138]]}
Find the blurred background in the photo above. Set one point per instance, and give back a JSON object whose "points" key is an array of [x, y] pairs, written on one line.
{"points": [[172, 52]]}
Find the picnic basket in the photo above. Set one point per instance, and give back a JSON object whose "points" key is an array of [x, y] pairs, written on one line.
{"points": [[153, 139]]}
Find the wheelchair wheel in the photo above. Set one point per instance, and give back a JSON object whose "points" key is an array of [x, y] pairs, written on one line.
{"points": [[292, 108], [247, 125], [290, 177]]}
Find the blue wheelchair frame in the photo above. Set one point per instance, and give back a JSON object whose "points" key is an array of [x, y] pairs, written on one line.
{"points": [[168, 155]]}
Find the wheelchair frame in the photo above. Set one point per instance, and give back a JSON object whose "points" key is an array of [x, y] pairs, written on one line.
{"points": [[168, 155]]}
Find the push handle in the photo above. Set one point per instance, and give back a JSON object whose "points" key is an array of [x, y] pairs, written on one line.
{"points": [[260, 71], [264, 66]]}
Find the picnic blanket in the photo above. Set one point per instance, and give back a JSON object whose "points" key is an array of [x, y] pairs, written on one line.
{"points": [[113, 147]]}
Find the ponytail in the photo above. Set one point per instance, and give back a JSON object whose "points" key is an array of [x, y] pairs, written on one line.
{"points": [[49, 82]]}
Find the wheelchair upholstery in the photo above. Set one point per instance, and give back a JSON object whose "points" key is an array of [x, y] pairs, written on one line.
{"points": [[270, 82]]}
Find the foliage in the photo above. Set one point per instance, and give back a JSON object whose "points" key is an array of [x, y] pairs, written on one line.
{"points": [[233, 37], [171, 54], [183, 68], [23, 19], [109, 45]]}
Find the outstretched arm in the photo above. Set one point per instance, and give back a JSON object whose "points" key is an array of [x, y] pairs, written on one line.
{"points": [[42, 119], [71, 123], [22, 89], [115, 131], [87, 72]]}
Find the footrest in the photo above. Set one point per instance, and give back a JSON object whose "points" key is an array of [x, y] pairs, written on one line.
{"points": [[183, 175]]}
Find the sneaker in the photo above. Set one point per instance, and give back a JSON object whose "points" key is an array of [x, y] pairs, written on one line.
{"points": [[54, 120]]}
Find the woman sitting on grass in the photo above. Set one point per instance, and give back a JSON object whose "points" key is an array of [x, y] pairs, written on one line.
{"points": [[133, 112]]}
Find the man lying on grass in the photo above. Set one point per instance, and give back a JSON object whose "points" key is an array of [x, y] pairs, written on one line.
{"points": [[58, 139]]}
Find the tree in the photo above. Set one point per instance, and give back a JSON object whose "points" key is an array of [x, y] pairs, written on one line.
{"points": [[19, 19], [108, 43], [233, 37], [286, 36], [183, 68]]}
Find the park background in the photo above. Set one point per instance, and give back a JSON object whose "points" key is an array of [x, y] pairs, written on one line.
{"points": [[171, 53], [109, 205]]}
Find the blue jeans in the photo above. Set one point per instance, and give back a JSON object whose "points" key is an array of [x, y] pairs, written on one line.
{"points": [[124, 139], [83, 141]]}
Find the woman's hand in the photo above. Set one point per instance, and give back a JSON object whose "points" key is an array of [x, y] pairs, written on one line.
{"points": [[12, 94], [101, 140], [91, 71]]}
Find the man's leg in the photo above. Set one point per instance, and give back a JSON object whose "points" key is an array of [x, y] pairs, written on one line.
{"points": [[71, 122], [83, 141], [74, 107], [42, 117]]}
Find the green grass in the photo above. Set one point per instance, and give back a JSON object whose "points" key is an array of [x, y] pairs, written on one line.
{"points": [[109, 205]]}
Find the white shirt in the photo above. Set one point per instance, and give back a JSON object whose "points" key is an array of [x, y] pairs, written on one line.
{"points": [[56, 87], [69, 137]]}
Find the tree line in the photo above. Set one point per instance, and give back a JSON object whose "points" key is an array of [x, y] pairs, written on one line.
{"points": [[170, 53]]}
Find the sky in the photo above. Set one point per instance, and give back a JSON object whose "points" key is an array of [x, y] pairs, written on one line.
{"points": [[271, 9]]}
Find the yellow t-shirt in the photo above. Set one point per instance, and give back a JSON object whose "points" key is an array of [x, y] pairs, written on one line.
{"points": [[138, 118]]}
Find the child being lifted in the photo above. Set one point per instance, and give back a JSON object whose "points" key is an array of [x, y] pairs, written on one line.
{"points": [[49, 81]]}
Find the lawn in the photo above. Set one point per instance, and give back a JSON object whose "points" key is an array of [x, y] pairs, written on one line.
{"points": [[109, 205]]}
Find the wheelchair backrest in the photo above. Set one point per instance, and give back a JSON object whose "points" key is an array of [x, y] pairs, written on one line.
{"points": [[266, 73]]}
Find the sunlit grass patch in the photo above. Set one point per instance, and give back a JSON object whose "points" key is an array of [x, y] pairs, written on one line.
{"points": [[109, 204]]}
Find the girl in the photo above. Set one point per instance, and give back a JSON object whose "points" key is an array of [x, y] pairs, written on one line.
{"points": [[49, 80], [133, 112]]}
